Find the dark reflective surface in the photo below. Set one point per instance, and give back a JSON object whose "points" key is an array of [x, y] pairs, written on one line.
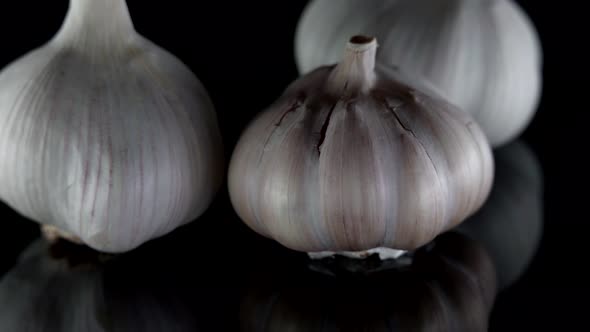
{"points": [[186, 282], [510, 224], [448, 286], [65, 287]]}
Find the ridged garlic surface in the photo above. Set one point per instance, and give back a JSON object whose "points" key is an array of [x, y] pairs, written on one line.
{"points": [[485, 56], [104, 135], [351, 159]]}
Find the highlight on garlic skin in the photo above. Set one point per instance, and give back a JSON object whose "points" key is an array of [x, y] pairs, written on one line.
{"points": [[351, 159], [104, 135], [485, 56]]}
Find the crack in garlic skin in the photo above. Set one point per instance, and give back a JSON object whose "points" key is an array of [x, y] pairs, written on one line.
{"points": [[325, 127], [382, 179]]}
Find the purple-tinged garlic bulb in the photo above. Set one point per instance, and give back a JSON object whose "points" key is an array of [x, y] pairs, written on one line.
{"points": [[351, 159]]}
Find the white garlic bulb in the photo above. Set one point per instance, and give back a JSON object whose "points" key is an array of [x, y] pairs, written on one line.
{"points": [[351, 159], [485, 56], [104, 135]]}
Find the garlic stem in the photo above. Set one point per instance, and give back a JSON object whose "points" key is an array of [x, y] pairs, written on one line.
{"points": [[103, 20], [356, 72]]}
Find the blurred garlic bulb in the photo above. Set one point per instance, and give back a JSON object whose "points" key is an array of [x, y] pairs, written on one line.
{"points": [[104, 135], [449, 286], [484, 55], [351, 159], [510, 223]]}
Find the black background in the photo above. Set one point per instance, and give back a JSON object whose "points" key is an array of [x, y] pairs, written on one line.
{"points": [[243, 53]]}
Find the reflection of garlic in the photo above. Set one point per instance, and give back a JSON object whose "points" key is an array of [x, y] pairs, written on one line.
{"points": [[69, 288], [448, 286], [484, 55], [104, 135], [352, 159], [510, 224]]}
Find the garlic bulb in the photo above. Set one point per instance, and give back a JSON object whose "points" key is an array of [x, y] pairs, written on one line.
{"points": [[351, 159], [104, 135], [484, 55]]}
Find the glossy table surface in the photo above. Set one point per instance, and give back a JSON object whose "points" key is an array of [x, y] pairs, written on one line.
{"points": [[216, 275]]}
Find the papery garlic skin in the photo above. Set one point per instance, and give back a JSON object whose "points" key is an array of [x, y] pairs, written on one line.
{"points": [[105, 135], [350, 159], [485, 56]]}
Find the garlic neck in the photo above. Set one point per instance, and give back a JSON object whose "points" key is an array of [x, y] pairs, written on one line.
{"points": [[356, 72], [96, 22]]}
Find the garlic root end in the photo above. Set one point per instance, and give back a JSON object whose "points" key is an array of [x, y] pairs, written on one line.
{"points": [[52, 234], [384, 254]]}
